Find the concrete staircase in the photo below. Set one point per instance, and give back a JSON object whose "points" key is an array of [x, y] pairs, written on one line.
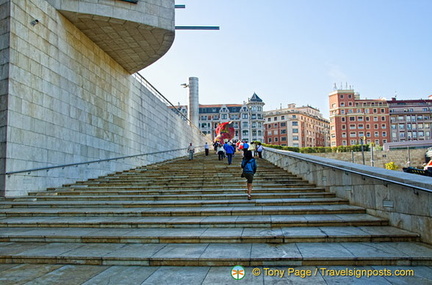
{"points": [[196, 213]]}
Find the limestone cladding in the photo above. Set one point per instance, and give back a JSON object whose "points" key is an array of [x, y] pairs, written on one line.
{"points": [[4, 74], [69, 102]]}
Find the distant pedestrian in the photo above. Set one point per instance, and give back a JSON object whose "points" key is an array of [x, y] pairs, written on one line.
{"points": [[191, 151], [245, 146], [252, 148], [206, 148], [249, 169], [259, 150], [229, 150], [220, 151]]}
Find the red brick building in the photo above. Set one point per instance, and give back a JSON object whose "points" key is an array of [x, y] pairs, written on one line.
{"points": [[353, 119]]}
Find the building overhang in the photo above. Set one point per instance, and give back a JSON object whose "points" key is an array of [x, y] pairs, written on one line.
{"points": [[134, 35]]}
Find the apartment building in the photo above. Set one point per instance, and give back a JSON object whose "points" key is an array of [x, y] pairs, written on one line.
{"points": [[354, 120], [296, 126], [410, 120]]}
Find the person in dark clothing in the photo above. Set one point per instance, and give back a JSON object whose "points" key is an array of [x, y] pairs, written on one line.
{"points": [[259, 150], [249, 169], [229, 150]]}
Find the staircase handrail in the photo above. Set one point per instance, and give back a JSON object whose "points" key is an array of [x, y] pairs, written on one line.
{"points": [[141, 79], [89, 162]]}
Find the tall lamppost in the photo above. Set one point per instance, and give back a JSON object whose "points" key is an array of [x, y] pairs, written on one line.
{"points": [[362, 150]]}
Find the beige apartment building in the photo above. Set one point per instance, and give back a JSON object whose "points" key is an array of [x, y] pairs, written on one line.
{"points": [[296, 126]]}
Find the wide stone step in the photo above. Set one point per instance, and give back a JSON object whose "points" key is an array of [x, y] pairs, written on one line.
{"points": [[267, 221], [270, 187], [220, 254], [163, 197], [233, 177], [208, 235], [124, 192], [178, 203], [184, 211], [199, 191], [204, 184]]}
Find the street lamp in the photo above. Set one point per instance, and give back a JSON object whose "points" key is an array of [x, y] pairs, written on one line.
{"points": [[361, 143]]}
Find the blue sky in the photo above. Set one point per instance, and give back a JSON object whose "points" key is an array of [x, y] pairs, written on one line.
{"points": [[294, 51]]}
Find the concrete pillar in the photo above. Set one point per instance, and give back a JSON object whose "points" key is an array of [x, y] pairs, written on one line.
{"points": [[193, 100]]}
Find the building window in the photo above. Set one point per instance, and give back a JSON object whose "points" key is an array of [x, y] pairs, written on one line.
{"points": [[295, 123], [295, 131]]}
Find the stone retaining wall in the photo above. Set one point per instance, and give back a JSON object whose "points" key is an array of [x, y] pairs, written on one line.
{"points": [[68, 102], [403, 198]]}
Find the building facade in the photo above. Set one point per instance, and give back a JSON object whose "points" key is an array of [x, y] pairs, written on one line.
{"points": [[247, 118], [410, 120], [296, 126], [354, 120]]}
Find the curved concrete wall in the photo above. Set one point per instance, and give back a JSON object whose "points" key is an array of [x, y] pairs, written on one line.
{"points": [[134, 35], [68, 101]]}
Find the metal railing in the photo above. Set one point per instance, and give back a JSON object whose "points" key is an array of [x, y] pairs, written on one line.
{"points": [[90, 162], [141, 79]]}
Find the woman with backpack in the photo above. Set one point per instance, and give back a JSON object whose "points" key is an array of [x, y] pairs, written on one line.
{"points": [[249, 168]]}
